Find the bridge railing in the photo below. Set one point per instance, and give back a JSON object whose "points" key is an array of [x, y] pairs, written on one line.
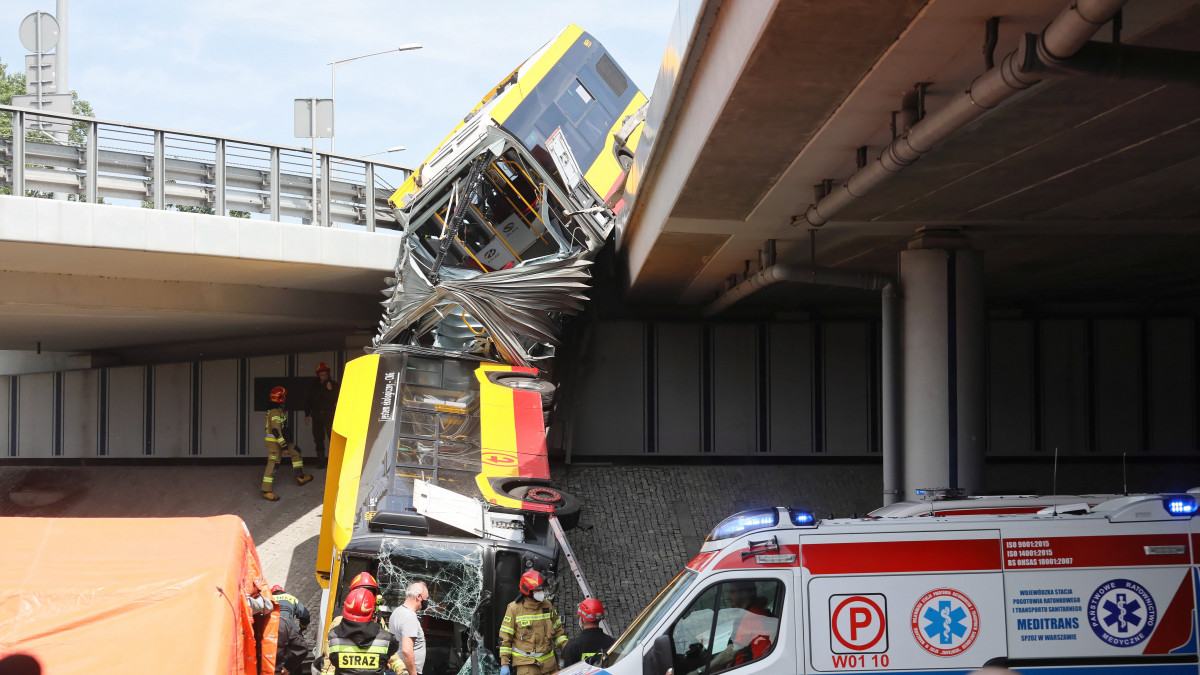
{"points": [[101, 161]]}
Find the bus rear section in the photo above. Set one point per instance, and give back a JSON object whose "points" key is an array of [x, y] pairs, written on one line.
{"points": [[438, 473]]}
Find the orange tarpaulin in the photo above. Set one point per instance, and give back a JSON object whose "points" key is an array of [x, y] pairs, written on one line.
{"points": [[124, 595]]}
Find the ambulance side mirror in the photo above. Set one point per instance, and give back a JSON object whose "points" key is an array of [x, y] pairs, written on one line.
{"points": [[658, 660]]}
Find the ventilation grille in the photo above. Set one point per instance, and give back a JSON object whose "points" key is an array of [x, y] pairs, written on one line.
{"points": [[612, 75]]}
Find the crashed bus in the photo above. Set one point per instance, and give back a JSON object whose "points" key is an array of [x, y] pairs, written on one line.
{"points": [[438, 467]]}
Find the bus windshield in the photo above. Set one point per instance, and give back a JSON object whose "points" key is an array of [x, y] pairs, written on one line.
{"points": [[650, 616]]}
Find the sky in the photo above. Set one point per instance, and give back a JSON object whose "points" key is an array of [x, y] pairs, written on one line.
{"points": [[233, 67]]}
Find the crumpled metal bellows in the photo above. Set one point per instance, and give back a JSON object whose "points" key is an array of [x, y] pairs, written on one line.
{"points": [[515, 307], [496, 252]]}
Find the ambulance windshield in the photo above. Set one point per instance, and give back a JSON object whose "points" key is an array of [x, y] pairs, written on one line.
{"points": [[649, 618]]}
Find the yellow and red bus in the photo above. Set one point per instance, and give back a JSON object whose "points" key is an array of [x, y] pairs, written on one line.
{"points": [[572, 83], [438, 468]]}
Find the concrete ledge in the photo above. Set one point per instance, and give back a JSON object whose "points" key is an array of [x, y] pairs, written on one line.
{"points": [[46, 221]]}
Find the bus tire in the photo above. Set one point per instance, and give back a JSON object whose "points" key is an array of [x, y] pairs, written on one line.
{"points": [[566, 506], [525, 382]]}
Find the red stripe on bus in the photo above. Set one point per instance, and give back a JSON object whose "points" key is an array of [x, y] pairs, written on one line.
{"points": [[886, 557], [1106, 551], [531, 434]]}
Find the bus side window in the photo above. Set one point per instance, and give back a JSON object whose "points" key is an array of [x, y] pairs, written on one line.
{"points": [[574, 102], [729, 625]]}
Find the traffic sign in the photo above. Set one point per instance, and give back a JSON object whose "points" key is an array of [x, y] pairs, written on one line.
{"points": [[858, 623], [39, 32], [51, 103], [45, 76]]}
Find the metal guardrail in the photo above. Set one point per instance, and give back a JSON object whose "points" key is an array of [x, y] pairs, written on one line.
{"points": [[165, 167]]}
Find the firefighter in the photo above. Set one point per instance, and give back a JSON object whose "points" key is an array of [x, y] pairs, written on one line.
{"points": [[358, 645], [531, 631], [291, 606], [322, 401], [591, 639], [277, 444]]}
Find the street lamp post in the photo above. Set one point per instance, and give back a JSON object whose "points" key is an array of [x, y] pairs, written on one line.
{"points": [[398, 148], [333, 66]]}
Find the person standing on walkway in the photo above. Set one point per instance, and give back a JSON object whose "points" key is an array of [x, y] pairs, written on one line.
{"points": [[322, 401], [531, 631], [405, 625], [277, 445], [591, 639]]}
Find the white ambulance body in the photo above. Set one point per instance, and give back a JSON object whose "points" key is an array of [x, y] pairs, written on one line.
{"points": [[1109, 591]]}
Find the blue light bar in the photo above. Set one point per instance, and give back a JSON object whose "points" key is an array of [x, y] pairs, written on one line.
{"points": [[1181, 505], [802, 518], [746, 521]]}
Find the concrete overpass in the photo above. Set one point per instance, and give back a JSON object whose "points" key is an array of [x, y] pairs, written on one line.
{"points": [[129, 285], [916, 234]]}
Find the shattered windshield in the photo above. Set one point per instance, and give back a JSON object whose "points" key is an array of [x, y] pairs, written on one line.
{"points": [[453, 621]]}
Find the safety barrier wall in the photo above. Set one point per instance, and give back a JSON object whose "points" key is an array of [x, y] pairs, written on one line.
{"points": [[203, 409], [1088, 387], [100, 161]]}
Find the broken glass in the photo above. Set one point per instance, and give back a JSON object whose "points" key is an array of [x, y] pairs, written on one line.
{"points": [[454, 574]]}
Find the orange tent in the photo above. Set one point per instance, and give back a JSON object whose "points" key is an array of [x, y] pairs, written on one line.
{"points": [[126, 595]]}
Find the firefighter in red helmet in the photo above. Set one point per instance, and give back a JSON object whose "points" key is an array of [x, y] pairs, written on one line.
{"points": [[277, 445], [358, 645], [531, 631], [591, 639], [322, 400]]}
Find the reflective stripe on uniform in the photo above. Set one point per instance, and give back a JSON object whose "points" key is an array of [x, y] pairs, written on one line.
{"points": [[539, 657], [561, 639], [297, 463], [505, 650], [506, 629], [272, 439], [268, 479], [279, 419], [373, 649], [527, 619]]}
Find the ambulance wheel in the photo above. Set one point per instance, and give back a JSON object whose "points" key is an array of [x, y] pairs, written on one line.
{"points": [[566, 506]]}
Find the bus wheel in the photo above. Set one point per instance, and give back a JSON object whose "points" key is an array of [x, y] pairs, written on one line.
{"points": [[566, 506], [525, 382]]}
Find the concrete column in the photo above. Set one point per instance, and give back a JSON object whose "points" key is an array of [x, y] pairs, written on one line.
{"points": [[941, 281]]}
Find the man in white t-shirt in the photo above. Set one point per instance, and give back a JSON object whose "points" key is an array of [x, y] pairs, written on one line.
{"points": [[405, 625]]}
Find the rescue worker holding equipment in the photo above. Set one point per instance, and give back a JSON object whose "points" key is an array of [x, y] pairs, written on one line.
{"points": [[591, 640], [531, 631], [358, 645], [277, 444]]}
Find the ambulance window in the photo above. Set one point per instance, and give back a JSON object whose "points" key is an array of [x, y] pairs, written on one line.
{"points": [[729, 625]]}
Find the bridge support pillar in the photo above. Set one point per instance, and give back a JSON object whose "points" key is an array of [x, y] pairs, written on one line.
{"points": [[942, 324]]}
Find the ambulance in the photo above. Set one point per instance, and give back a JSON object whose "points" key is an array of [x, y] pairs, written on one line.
{"points": [[1106, 589]]}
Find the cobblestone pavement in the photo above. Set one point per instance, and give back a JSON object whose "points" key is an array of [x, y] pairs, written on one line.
{"points": [[641, 524]]}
